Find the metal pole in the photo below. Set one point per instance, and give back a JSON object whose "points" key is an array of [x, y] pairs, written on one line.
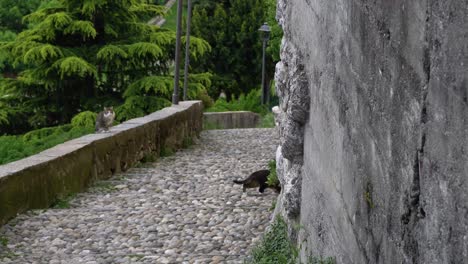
{"points": [[187, 47], [263, 73], [175, 96]]}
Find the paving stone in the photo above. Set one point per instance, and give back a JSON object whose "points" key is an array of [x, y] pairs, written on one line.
{"points": [[179, 209]]}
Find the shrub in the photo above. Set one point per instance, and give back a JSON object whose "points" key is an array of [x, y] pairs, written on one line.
{"points": [[275, 246], [273, 177], [267, 121], [84, 119], [17, 147], [251, 102]]}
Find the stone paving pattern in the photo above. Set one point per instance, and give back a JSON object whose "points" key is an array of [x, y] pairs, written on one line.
{"points": [[180, 209]]}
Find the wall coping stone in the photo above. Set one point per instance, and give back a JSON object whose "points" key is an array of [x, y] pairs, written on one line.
{"points": [[164, 128]]}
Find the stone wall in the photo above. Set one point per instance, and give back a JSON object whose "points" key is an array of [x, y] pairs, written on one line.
{"points": [[37, 181], [229, 120], [375, 162]]}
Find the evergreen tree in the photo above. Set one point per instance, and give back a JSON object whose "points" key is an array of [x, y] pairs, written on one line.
{"points": [[83, 54], [231, 28], [12, 11]]}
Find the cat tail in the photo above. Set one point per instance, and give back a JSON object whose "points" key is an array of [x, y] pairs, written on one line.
{"points": [[238, 182]]}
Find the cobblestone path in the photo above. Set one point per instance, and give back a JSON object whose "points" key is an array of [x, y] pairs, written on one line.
{"points": [[180, 209]]}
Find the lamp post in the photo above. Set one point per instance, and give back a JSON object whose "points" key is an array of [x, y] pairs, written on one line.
{"points": [[175, 96], [265, 31], [187, 47]]}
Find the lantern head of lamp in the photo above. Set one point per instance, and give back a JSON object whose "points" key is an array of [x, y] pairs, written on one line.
{"points": [[265, 31]]}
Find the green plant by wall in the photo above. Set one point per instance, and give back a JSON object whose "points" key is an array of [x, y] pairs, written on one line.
{"points": [[84, 119], [319, 260], [210, 125], [63, 202], [267, 121], [166, 151], [272, 179], [187, 142], [249, 102], [275, 246], [368, 195], [17, 147]]}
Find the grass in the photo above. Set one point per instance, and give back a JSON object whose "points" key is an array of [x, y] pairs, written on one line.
{"points": [[249, 102], [3, 241], [171, 17], [187, 142], [211, 126], [267, 121], [275, 246], [63, 202], [104, 186], [319, 260], [166, 152], [149, 157], [272, 179], [13, 148], [368, 195]]}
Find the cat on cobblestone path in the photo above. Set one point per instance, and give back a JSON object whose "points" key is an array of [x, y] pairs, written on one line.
{"points": [[105, 119], [257, 179]]}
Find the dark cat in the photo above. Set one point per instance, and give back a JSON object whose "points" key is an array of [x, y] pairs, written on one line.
{"points": [[258, 179], [105, 119]]}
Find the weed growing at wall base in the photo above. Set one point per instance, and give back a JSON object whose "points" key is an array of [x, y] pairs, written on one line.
{"points": [[275, 246], [17, 147]]}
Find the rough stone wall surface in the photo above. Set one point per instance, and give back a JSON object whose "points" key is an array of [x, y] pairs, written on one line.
{"points": [[230, 120], [37, 181], [384, 142]]}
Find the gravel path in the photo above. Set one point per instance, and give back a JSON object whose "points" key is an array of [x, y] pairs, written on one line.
{"points": [[180, 209]]}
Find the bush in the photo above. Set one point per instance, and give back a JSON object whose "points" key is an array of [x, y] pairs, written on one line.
{"points": [[251, 102], [267, 121], [84, 119], [17, 147], [275, 246], [272, 179]]}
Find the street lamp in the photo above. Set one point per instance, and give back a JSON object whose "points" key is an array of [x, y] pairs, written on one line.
{"points": [[265, 31], [187, 47], [175, 95]]}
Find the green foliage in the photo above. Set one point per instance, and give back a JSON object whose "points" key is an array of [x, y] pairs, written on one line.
{"points": [[275, 246], [272, 179], [276, 35], [368, 195], [231, 28], [136, 106], [77, 52], [251, 102], [74, 67], [320, 260], [205, 98], [187, 142], [171, 16], [211, 126], [84, 119], [150, 157], [166, 151], [12, 11], [17, 147], [63, 202], [267, 121], [3, 241]]}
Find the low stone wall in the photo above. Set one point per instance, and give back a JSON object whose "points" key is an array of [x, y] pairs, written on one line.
{"points": [[37, 181], [229, 120]]}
